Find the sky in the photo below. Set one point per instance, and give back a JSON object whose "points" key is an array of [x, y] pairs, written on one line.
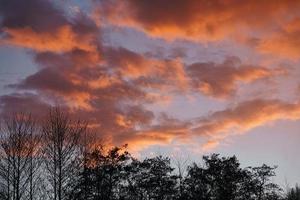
{"points": [[179, 78]]}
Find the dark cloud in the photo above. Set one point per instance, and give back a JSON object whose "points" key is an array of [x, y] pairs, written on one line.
{"points": [[41, 16], [221, 80], [43, 26], [23, 102]]}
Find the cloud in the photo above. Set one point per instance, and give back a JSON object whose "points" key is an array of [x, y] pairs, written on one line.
{"points": [[215, 127], [42, 16], [64, 39], [165, 132], [199, 20], [25, 102], [285, 43], [42, 26], [221, 80], [146, 70], [247, 22], [90, 90], [111, 91], [244, 117], [111, 87], [102, 93], [74, 75], [209, 145]]}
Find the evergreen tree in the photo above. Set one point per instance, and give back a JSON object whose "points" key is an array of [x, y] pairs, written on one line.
{"points": [[293, 194]]}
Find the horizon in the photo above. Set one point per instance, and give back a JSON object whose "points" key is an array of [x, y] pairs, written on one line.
{"points": [[187, 78]]}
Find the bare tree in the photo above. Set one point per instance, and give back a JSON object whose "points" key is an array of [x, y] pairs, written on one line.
{"points": [[18, 147], [33, 171], [181, 163], [61, 150]]}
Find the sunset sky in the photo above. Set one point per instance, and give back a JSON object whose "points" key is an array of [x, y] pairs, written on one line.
{"points": [[182, 78]]}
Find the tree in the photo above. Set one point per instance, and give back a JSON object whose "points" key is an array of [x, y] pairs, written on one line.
{"points": [[18, 150], [56, 161], [224, 179], [263, 188], [196, 184], [61, 152], [293, 194], [151, 179], [101, 176], [219, 178], [181, 164]]}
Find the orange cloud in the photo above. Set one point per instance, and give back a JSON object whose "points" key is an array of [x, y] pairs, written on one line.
{"points": [[211, 144], [244, 117], [106, 95], [143, 139], [216, 127], [64, 39], [145, 70], [167, 130], [271, 27], [199, 20], [110, 87], [44, 26], [285, 43]]}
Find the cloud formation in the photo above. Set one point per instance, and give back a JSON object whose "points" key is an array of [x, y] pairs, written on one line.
{"points": [[221, 80], [147, 71], [248, 22], [42, 26], [112, 86], [25, 102], [285, 42], [244, 117], [62, 40], [199, 20]]}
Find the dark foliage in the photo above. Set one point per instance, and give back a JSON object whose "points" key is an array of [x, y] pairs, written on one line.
{"points": [[293, 194], [116, 175], [52, 162]]}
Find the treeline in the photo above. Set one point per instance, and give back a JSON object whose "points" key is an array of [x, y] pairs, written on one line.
{"points": [[55, 159]]}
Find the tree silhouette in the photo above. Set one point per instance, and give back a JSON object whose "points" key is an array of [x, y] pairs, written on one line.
{"points": [[263, 187], [18, 157], [60, 150], [101, 175], [293, 194], [219, 178], [55, 160], [151, 178], [224, 179]]}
